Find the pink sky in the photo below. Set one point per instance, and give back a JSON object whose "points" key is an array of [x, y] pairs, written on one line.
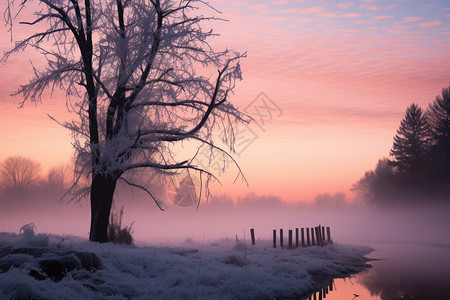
{"points": [[340, 72]]}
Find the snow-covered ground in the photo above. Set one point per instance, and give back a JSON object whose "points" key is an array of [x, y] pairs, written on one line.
{"points": [[45, 266]]}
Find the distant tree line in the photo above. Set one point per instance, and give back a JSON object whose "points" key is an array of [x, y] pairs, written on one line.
{"points": [[21, 176], [419, 164]]}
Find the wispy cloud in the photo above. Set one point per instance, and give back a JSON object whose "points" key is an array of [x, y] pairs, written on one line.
{"points": [[383, 17], [237, 3], [281, 2], [311, 10], [365, 21], [278, 19], [350, 15], [288, 11], [431, 23], [303, 20], [401, 26], [411, 19], [369, 6], [345, 5], [328, 15], [258, 6]]}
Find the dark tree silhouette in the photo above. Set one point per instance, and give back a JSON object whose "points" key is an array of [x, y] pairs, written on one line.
{"points": [[19, 174], [379, 185], [140, 72], [438, 114], [420, 168], [411, 143]]}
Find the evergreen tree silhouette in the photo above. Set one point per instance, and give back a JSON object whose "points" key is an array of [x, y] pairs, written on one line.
{"points": [[411, 143], [438, 114]]}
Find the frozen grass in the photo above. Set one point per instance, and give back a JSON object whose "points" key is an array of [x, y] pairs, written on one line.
{"points": [[211, 270], [117, 233]]}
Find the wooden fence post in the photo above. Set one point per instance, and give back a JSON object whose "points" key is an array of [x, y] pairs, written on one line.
{"points": [[317, 232], [252, 233], [312, 237], [323, 235], [274, 238], [296, 237], [320, 239], [307, 236], [328, 235], [290, 238], [281, 238], [303, 237]]}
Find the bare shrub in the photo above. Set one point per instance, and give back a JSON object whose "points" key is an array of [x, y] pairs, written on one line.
{"points": [[28, 230], [118, 234]]}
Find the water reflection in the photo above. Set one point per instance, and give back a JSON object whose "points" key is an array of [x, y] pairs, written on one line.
{"points": [[411, 271], [405, 271], [322, 294], [343, 288]]}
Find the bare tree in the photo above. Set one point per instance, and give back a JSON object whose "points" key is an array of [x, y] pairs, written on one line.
{"points": [[56, 177], [139, 76], [19, 174]]}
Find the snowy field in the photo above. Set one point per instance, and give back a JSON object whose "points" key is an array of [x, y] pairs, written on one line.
{"points": [[44, 266]]}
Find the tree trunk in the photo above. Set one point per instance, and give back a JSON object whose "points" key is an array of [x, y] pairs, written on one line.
{"points": [[102, 191]]}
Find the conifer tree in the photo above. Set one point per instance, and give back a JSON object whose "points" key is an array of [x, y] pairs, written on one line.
{"points": [[411, 143], [438, 114]]}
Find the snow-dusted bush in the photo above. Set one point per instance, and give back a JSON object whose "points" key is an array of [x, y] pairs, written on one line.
{"points": [[118, 234], [27, 230]]}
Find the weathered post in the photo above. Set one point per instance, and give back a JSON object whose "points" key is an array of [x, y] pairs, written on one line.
{"points": [[307, 236], [281, 238], [296, 237], [290, 238], [274, 238], [312, 237], [303, 237], [318, 236], [252, 233], [319, 228], [323, 235], [328, 235]]}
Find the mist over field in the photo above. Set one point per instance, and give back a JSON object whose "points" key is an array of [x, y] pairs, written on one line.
{"points": [[224, 217]]}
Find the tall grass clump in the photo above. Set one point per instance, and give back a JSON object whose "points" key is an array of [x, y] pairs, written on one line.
{"points": [[118, 234]]}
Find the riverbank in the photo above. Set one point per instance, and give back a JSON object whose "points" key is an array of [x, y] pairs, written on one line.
{"points": [[64, 267]]}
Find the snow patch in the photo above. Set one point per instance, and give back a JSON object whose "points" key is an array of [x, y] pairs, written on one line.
{"points": [[64, 267]]}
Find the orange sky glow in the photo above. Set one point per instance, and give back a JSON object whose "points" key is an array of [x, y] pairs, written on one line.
{"points": [[337, 74]]}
